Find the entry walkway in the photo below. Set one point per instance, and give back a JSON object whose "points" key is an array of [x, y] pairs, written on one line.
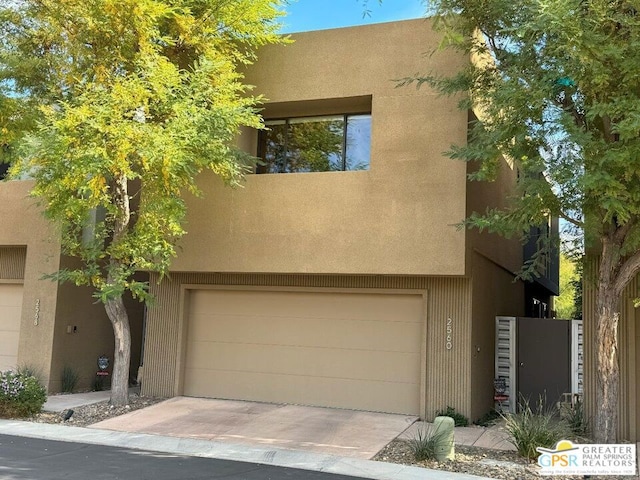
{"points": [[494, 437], [64, 401]]}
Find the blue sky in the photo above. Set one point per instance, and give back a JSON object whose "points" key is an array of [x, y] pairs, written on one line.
{"points": [[305, 15]]}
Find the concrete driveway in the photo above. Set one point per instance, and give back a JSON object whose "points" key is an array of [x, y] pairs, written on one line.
{"points": [[346, 433]]}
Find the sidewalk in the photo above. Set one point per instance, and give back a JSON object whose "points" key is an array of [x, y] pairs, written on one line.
{"points": [[64, 401]]}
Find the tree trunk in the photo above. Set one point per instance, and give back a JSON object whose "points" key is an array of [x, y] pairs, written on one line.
{"points": [[122, 354], [608, 372], [115, 305]]}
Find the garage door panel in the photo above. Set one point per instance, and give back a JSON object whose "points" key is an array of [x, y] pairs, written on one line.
{"points": [[349, 350], [337, 333], [305, 305], [321, 362], [276, 388], [10, 295], [10, 314], [9, 343], [10, 320]]}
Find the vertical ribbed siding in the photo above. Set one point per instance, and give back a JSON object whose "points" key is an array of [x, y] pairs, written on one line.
{"points": [[588, 318], [12, 262], [448, 376], [161, 338], [627, 401], [448, 371], [627, 410]]}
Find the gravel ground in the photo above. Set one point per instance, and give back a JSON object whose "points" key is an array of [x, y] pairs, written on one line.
{"points": [[498, 464], [484, 462], [96, 412], [475, 461]]}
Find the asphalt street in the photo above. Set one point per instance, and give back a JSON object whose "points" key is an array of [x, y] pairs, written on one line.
{"points": [[34, 459]]}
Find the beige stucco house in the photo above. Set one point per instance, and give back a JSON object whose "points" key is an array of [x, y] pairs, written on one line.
{"points": [[336, 276]]}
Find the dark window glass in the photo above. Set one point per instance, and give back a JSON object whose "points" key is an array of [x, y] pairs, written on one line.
{"points": [[272, 147], [315, 144]]}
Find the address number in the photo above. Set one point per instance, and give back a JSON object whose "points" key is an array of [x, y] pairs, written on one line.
{"points": [[449, 337]]}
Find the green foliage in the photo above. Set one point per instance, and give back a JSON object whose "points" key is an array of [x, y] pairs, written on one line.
{"points": [[576, 419], [98, 384], [425, 444], [459, 419], [554, 87], [529, 429], [366, 11], [115, 107], [30, 371], [21, 395], [576, 284], [569, 278], [555, 90], [488, 418], [69, 379]]}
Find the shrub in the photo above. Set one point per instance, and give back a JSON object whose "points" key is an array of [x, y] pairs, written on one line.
{"points": [[30, 371], [423, 446], [528, 429], [69, 379], [21, 395], [576, 419], [488, 418], [459, 419]]}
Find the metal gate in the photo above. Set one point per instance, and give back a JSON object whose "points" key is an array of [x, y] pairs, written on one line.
{"points": [[538, 357]]}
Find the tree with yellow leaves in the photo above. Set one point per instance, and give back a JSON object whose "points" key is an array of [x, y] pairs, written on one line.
{"points": [[109, 101]]}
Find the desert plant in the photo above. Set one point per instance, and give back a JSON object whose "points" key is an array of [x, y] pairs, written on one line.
{"points": [[576, 419], [459, 419], [529, 429], [30, 371], [98, 384], [424, 444], [21, 395], [69, 379]]}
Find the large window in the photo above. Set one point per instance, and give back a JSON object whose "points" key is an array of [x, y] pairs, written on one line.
{"points": [[315, 144]]}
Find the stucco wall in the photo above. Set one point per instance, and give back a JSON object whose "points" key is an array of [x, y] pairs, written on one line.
{"points": [[90, 335], [482, 195], [25, 226], [494, 293], [396, 218]]}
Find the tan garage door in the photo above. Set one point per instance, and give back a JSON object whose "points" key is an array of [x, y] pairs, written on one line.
{"points": [[348, 350], [10, 312]]}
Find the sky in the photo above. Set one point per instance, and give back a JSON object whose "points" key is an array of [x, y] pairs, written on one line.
{"points": [[305, 15]]}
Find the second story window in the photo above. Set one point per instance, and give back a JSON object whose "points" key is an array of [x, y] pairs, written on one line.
{"points": [[315, 144]]}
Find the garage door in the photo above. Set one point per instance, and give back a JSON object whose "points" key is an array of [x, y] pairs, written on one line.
{"points": [[10, 312], [347, 350]]}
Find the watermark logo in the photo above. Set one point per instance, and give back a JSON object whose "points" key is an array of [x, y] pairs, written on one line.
{"points": [[568, 458]]}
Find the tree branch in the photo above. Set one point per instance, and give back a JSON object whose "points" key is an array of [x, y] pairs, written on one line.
{"points": [[629, 269], [571, 220], [621, 232]]}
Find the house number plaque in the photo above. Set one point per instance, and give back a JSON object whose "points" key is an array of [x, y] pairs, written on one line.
{"points": [[449, 336], [36, 316]]}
